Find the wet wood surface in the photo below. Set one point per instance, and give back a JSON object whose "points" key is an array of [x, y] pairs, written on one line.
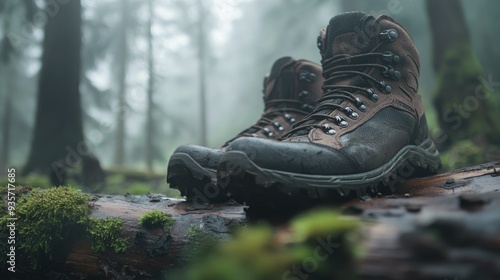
{"points": [[441, 227]]}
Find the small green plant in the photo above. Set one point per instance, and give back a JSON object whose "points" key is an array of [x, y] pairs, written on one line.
{"points": [[105, 234], [156, 219], [49, 217]]}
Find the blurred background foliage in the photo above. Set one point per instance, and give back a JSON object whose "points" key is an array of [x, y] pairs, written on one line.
{"points": [[149, 61]]}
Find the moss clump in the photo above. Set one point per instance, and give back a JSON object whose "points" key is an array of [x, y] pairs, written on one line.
{"points": [[317, 245], [463, 102], [464, 153], [105, 235], [156, 219], [49, 217]]}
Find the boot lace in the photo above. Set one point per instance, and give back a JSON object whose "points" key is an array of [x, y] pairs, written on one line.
{"points": [[346, 66], [274, 108]]}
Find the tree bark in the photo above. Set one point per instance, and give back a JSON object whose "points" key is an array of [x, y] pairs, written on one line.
{"points": [[58, 130], [461, 98], [448, 28], [448, 206]]}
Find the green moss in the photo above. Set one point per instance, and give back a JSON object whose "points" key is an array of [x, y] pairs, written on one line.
{"points": [[138, 188], [320, 244], [462, 154], [173, 193], [156, 219], [48, 218], [33, 180], [105, 234], [463, 102], [324, 222], [115, 180], [3, 223]]}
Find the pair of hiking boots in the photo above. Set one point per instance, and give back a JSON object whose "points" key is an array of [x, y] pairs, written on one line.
{"points": [[353, 127]]}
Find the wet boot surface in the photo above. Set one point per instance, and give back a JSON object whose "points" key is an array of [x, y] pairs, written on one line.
{"points": [[289, 94], [367, 134]]}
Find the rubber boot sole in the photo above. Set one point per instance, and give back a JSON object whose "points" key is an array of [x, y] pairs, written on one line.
{"points": [[196, 182], [260, 187]]}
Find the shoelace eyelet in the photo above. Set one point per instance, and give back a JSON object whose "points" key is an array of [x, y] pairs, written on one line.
{"points": [[307, 107], [389, 57], [268, 132], [351, 113], [384, 87], [340, 121], [389, 35], [289, 118], [307, 76], [372, 95], [278, 126], [389, 72], [303, 94], [360, 105], [328, 129]]}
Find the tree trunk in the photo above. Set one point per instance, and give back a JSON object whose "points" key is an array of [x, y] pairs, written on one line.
{"points": [[8, 79], [462, 98], [448, 28], [58, 130], [7, 117], [202, 72], [419, 233], [122, 60], [150, 91]]}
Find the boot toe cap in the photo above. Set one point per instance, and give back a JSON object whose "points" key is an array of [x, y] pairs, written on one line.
{"points": [[204, 156], [296, 157]]}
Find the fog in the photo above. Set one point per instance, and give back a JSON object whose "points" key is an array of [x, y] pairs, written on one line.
{"points": [[240, 40]]}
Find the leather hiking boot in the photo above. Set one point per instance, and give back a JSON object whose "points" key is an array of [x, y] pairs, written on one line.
{"points": [[290, 92], [367, 133]]}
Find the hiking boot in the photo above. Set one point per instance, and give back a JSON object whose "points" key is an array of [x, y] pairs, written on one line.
{"points": [[290, 92], [367, 133]]}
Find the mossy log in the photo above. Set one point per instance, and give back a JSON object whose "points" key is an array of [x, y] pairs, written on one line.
{"points": [[441, 227]]}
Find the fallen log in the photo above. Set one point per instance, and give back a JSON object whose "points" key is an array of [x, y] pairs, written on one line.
{"points": [[441, 227], [463, 203], [149, 251]]}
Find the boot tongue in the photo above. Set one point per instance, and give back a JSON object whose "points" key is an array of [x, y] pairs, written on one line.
{"points": [[277, 85], [331, 44]]}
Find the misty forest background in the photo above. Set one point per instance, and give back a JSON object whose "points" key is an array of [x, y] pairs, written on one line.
{"points": [[134, 79]]}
